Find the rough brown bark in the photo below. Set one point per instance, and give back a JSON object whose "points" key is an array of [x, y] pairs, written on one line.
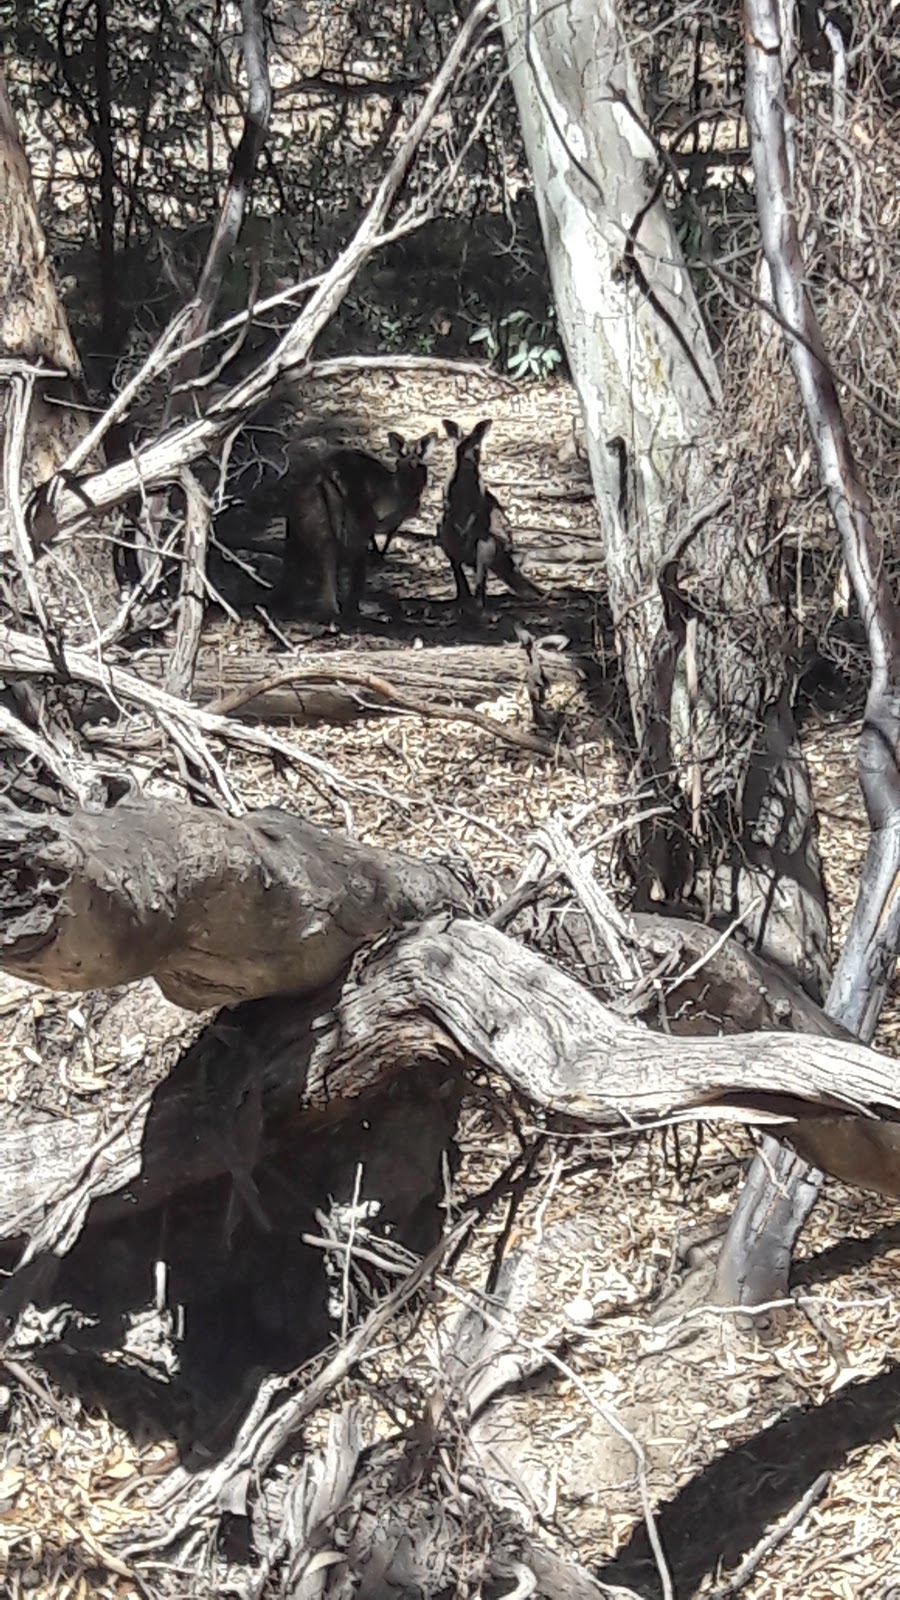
{"points": [[34, 333], [33, 324], [779, 1193], [339, 687]]}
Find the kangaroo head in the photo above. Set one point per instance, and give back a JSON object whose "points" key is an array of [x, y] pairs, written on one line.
{"points": [[420, 450], [468, 445], [411, 470]]}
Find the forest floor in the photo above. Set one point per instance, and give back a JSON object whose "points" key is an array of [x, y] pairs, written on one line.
{"points": [[736, 1426]]}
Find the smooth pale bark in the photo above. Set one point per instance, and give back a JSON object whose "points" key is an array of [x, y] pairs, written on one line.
{"points": [[649, 392], [645, 375]]}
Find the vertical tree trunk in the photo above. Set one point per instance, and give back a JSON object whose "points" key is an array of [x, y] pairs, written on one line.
{"points": [[33, 331], [708, 706], [755, 1261], [646, 379], [103, 139], [32, 321]]}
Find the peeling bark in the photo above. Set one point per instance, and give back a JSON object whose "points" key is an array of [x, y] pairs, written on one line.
{"points": [[219, 908], [34, 334]]}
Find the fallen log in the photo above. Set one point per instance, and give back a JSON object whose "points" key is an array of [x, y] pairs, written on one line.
{"points": [[335, 687], [448, 992], [729, 988], [217, 909], [222, 909]]}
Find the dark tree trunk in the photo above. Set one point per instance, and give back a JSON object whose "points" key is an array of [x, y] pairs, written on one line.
{"points": [[779, 1194], [109, 288]]}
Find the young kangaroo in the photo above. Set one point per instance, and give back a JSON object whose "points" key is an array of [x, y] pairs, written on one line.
{"points": [[475, 530], [336, 509]]}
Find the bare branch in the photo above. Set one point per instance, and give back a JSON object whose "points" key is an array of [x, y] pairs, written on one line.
{"points": [[160, 461], [197, 517]]}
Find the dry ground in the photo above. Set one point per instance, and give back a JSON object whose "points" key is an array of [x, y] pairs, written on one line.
{"points": [[735, 1428]]}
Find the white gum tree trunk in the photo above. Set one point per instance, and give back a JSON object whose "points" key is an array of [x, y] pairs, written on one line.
{"points": [[708, 705]]}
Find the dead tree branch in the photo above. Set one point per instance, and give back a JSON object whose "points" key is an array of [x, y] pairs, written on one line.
{"points": [[22, 656], [217, 909], [160, 460], [197, 518], [234, 202]]}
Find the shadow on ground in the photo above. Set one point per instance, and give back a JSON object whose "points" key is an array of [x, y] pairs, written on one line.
{"points": [[244, 1293], [723, 1512]]}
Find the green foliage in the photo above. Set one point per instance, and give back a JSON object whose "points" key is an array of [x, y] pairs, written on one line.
{"points": [[387, 330], [520, 344]]}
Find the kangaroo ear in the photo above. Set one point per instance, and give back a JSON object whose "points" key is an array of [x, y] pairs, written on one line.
{"points": [[425, 447], [479, 431], [451, 430], [397, 444]]}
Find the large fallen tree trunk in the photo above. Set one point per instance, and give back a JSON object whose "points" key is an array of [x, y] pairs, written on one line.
{"points": [[269, 1094], [448, 992], [223, 909], [217, 909]]}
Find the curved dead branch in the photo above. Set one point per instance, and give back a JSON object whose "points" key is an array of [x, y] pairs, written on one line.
{"points": [[449, 991]]}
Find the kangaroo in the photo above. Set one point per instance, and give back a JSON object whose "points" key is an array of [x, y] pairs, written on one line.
{"points": [[394, 496], [336, 510], [475, 530]]}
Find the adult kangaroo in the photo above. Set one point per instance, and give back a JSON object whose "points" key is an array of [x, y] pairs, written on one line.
{"points": [[337, 508], [475, 530]]}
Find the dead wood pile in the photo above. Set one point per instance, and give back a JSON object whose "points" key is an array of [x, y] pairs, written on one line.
{"points": [[362, 992]]}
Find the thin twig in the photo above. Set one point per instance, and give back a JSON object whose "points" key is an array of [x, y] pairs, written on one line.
{"points": [[708, 955], [477, 1304], [159, 461], [256, 1447], [308, 676], [772, 1539]]}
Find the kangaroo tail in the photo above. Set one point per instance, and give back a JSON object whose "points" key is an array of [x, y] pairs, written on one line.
{"points": [[506, 570]]}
